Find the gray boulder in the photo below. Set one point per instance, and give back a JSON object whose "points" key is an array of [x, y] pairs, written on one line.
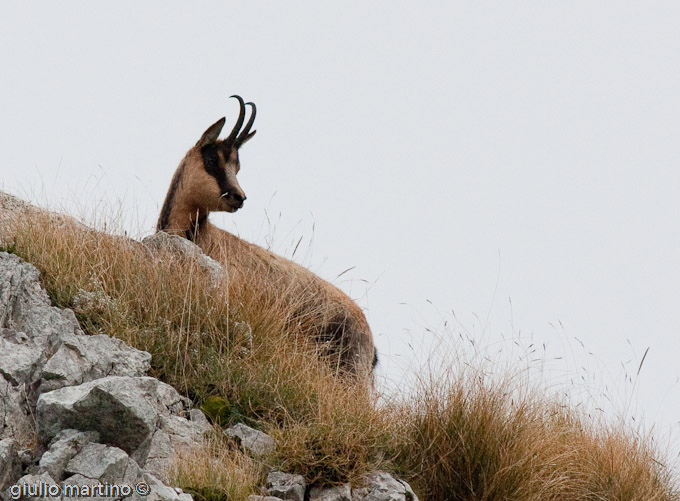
{"points": [[63, 447], [381, 486], [255, 441], [337, 493], [158, 491], [174, 434], [122, 409], [10, 463], [286, 486], [15, 414], [29, 329], [43, 348], [20, 358], [92, 389], [11, 210], [25, 307], [105, 464], [255, 497], [14, 211], [82, 358], [162, 241], [140, 415]]}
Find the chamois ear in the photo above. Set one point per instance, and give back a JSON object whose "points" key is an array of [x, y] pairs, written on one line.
{"points": [[211, 135], [247, 138]]}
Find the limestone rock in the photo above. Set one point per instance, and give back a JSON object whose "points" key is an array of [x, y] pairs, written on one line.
{"points": [[257, 442], [43, 348], [286, 486], [81, 359], [76, 488], [136, 414], [199, 420], [93, 390], [173, 435], [123, 409], [19, 357], [15, 414], [10, 464], [25, 307], [337, 493], [10, 209], [174, 243], [106, 464], [158, 491], [381, 486], [63, 447], [79, 487]]}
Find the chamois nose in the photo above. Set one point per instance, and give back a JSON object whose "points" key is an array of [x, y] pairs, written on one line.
{"points": [[238, 198]]}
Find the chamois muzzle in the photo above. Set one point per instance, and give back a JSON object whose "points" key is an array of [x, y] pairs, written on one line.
{"points": [[234, 200], [238, 199]]}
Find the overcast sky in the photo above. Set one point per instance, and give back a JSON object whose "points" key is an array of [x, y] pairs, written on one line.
{"points": [[514, 162]]}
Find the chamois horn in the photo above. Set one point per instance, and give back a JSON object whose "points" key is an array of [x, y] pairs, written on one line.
{"points": [[244, 133], [239, 122]]}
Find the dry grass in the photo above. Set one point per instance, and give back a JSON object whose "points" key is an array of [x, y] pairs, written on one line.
{"points": [[473, 437], [466, 436], [219, 471]]}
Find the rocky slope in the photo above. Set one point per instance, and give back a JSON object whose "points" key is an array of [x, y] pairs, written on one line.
{"points": [[80, 409], [79, 412]]}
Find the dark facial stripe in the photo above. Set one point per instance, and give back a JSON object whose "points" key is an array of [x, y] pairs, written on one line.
{"points": [[375, 357], [164, 218], [211, 164]]}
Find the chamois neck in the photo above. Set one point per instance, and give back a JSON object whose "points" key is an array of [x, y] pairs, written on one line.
{"points": [[179, 215]]}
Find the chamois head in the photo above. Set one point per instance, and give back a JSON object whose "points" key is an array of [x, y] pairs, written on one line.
{"points": [[206, 179], [220, 161]]}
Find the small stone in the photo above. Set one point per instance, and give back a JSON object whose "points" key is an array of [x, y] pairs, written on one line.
{"points": [[199, 420], [381, 486], [99, 461], [287, 486], [257, 442], [163, 241], [63, 447], [158, 491], [336, 493]]}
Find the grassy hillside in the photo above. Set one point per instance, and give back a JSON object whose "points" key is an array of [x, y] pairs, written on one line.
{"points": [[464, 436]]}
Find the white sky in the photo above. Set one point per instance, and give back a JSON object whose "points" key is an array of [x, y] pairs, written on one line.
{"points": [[464, 156]]}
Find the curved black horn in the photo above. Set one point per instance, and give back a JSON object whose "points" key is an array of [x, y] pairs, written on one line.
{"points": [[244, 133], [239, 122]]}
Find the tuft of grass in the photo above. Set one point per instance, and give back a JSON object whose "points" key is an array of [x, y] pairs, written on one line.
{"points": [[469, 437], [242, 355], [217, 472]]}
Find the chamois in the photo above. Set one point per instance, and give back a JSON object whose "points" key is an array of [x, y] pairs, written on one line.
{"points": [[204, 182]]}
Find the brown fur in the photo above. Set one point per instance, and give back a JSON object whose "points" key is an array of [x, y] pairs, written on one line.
{"points": [[314, 306]]}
